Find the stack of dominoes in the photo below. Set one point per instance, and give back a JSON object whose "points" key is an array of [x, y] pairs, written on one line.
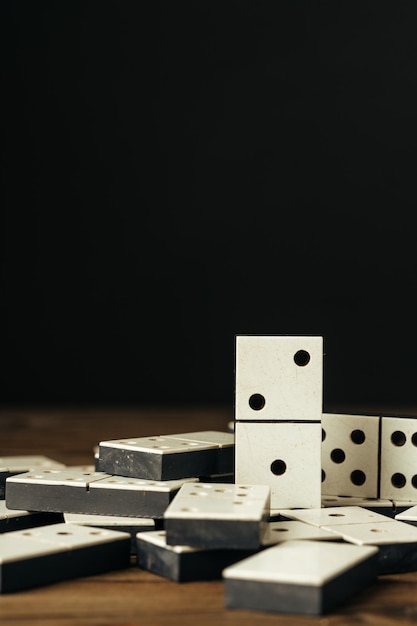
{"points": [[294, 508]]}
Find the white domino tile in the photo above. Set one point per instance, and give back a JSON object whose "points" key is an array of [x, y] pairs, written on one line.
{"points": [[367, 503], [27, 462], [284, 456], [291, 530], [299, 562], [63, 535], [136, 484], [6, 513], [388, 532], [409, 515], [158, 445], [47, 554], [300, 577], [218, 438], [62, 477], [217, 516], [399, 458], [220, 501], [74, 491], [333, 516], [113, 521], [168, 457], [350, 454], [278, 378]]}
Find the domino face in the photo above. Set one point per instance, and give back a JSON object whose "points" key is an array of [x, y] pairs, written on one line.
{"points": [[333, 516], [183, 563], [284, 456], [399, 458], [11, 520], [307, 577], [385, 507], [95, 493], [381, 533], [409, 515], [169, 457], [350, 455], [131, 525], [53, 553], [397, 543], [208, 515], [291, 530], [12, 465], [279, 378]]}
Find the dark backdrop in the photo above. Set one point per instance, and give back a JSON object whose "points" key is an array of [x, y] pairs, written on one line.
{"points": [[176, 173]]}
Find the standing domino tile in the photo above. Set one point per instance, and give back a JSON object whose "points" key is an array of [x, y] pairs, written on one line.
{"points": [[304, 577], [208, 515], [11, 520], [183, 563], [279, 378], [169, 457], [350, 455], [12, 465], [397, 543], [94, 493], [53, 553], [399, 458], [284, 456], [131, 525], [278, 408]]}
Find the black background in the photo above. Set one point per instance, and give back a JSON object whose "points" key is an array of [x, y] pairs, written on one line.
{"points": [[178, 173]]}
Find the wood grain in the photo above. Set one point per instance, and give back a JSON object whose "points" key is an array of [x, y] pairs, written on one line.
{"points": [[133, 596]]}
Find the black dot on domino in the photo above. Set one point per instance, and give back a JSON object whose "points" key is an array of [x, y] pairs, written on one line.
{"points": [[357, 436], [358, 477], [301, 358], [257, 402], [398, 438], [398, 480], [337, 455], [278, 467]]}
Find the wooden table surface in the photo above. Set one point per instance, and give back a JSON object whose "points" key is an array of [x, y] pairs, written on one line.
{"points": [[134, 596]]}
